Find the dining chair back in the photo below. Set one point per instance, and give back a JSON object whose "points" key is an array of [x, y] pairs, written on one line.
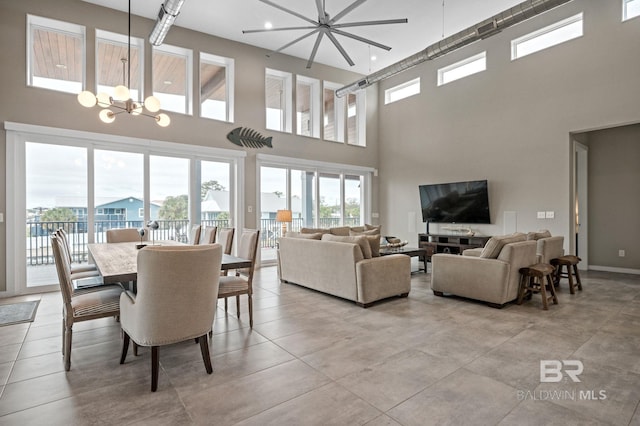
{"points": [[208, 235], [176, 300], [194, 234], [225, 239], [99, 302], [242, 282], [85, 274], [124, 235]]}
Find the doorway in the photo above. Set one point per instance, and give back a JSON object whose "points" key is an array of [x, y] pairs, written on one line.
{"points": [[580, 203]]}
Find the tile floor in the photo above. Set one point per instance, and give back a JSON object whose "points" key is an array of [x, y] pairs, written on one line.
{"points": [[312, 359]]}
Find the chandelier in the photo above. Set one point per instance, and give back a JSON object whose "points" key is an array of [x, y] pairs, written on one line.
{"points": [[121, 100]]}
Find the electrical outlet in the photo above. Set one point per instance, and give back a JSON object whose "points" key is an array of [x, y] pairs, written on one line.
{"points": [[541, 215], [550, 215], [621, 253], [250, 209], [375, 215]]}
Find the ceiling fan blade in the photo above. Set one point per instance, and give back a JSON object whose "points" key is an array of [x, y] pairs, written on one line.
{"points": [[295, 41], [364, 23], [262, 30], [362, 39], [291, 12], [340, 48], [315, 49], [346, 11], [321, 12]]}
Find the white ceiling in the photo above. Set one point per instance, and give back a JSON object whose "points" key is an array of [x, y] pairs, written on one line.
{"points": [[227, 19]]}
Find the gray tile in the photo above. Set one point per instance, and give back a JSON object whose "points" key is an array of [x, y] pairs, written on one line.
{"points": [[612, 349], [12, 334], [42, 365], [328, 405], [463, 398], [536, 413], [40, 390]]}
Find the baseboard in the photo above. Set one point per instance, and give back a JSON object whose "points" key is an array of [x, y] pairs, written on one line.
{"points": [[612, 269]]}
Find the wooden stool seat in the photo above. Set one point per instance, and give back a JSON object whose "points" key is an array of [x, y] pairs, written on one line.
{"points": [[570, 262], [532, 280]]}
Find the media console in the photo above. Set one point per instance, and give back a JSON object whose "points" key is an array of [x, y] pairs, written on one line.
{"points": [[444, 243]]}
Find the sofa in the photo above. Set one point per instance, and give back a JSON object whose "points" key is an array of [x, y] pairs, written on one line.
{"points": [[493, 276], [340, 268]]}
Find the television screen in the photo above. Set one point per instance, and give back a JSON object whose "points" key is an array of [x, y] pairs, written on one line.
{"points": [[457, 202]]}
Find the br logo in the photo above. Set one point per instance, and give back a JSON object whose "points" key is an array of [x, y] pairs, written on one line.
{"points": [[553, 370]]}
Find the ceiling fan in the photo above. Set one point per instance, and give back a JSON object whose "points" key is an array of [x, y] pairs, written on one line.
{"points": [[327, 26]]}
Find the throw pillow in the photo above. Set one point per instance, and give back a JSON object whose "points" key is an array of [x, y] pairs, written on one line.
{"points": [[357, 228], [374, 241], [316, 236], [368, 227], [494, 246], [543, 233], [360, 240], [340, 230], [314, 231]]}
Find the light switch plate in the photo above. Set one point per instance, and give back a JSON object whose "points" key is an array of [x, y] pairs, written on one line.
{"points": [[541, 215], [550, 215], [375, 215]]}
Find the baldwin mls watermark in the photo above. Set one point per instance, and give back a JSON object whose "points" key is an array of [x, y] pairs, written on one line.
{"points": [[565, 371]]}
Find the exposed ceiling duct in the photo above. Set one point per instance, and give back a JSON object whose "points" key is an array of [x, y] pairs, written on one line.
{"points": [[167, 14], [488, 27]]}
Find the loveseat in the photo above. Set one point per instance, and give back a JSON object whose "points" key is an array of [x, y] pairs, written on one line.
{"points": [[341, 269], [492, 277]]}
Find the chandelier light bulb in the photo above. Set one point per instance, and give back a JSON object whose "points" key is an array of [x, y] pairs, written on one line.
{"points": [[121, 93], [104, 100], [87, 99], [163, 120], [152, 104], [107, 116]]}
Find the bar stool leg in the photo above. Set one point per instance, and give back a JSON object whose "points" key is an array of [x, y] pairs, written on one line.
{"points": [[552, 289], [577, 274], [522, 288], [543, 293], [572, 289]]}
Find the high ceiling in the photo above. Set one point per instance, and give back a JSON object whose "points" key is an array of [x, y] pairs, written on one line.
{"points": [[427, 24]]}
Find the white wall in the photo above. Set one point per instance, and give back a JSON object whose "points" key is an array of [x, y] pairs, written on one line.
{"points": [[510, 124]]}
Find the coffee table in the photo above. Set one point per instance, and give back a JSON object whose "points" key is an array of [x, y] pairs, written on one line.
{"points": [[420, 253]]}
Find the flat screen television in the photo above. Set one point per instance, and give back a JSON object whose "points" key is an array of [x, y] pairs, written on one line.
{"points": [[456, 202]]}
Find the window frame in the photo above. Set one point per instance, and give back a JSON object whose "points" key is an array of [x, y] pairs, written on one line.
{"points": [[625, 10], [168, 49], [286, 126], [314, 106], [229, 65], [121, 39], [361, 119], [388, 93], [54, 25], [339, 107], [544, 31], [442, 72]]}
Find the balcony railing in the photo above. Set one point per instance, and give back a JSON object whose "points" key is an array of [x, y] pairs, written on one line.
{"points": [[39, 250]]}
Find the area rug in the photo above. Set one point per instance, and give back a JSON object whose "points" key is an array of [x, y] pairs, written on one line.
{"points": [[15, 313]]}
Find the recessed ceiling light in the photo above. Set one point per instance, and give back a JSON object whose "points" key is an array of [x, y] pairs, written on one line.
{"points": [[61, 66], [268, 25], [373, 57]]}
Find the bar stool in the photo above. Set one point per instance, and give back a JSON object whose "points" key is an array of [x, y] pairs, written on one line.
{"points": [[532, 280], [570, 262]]}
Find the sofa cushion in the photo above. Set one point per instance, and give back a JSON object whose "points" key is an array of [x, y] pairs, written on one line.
{"points": [[316, 236], [543, 233], [374, 241], [361, 240], [368, 227], [340, 230], [495, 244], [314, 231]]}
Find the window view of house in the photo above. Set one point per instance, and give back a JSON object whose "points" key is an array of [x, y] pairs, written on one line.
{"points": [[278, 88], [216, 87], [333, 113], [172, 78], [307, 106], [111, 50]]}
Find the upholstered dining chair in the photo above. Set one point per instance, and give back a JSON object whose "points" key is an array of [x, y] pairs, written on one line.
{"points": [[242, 282], [82, 276], [100, 302], [176, 300], [194, 234], [225, 239], [208, 235], [124, 235]]}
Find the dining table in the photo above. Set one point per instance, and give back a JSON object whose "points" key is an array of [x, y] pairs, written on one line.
{"points": [[118, 262]]}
